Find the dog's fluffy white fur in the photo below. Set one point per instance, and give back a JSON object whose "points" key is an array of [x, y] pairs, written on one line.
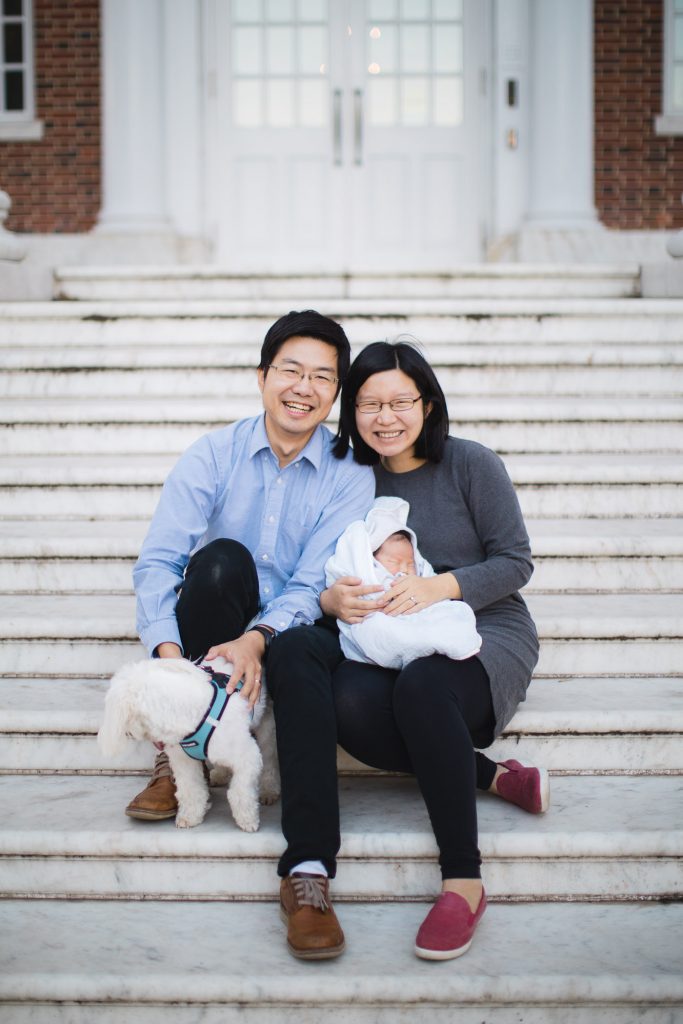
{"points": [[164, 700]]}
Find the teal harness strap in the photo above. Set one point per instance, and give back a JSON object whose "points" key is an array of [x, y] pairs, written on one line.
{"points": [[195, 745]]}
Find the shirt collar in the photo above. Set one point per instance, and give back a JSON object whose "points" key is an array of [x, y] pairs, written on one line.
{"points": [[313, 450]]}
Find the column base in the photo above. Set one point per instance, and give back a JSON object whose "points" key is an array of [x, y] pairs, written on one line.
{"points": [[593, 243], [662, 280]]}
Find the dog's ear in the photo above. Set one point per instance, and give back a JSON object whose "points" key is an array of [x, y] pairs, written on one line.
{"points": [[118, 707]]}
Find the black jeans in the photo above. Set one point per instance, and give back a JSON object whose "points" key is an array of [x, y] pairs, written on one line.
{"points": [[218, 599], [425, 720]]}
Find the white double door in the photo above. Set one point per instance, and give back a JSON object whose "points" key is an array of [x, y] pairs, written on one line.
{"points": [[346, 135]]}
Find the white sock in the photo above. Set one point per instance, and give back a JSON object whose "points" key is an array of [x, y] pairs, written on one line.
{"points": [[310, 867]]}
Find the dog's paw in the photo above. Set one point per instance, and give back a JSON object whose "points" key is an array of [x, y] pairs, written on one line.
{"points": [[248, 822], [187, 821]]}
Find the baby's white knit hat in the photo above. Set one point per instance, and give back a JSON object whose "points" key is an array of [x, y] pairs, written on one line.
{"points": [[387, 516]]}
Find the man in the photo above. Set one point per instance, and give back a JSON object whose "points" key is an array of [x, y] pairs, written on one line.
{"points": [[233, 565]]}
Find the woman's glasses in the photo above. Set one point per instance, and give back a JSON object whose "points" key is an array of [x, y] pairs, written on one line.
{"points": [[396, 405]]}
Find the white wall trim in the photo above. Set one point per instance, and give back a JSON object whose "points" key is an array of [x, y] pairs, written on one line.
{"points": [[669, 124], [21, 131]]}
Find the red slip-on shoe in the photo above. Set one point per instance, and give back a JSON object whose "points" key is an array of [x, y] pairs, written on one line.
{"points": [[448, 928], [527, 787]]}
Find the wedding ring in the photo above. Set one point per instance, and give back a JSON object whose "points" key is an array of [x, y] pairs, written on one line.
{"points": [[413, 600]]}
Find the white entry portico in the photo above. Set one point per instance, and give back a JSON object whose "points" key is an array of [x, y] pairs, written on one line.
{"points": [[346, 135]]}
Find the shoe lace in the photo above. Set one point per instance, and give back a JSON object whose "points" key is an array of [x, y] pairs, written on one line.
{"points": [[162, 767], [310, 892]]}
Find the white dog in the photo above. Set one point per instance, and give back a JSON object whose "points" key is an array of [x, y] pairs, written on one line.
{"points": [[166, 700]]}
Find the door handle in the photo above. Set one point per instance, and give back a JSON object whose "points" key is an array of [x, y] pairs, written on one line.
{"points": [[358, 127], [337, 127]]}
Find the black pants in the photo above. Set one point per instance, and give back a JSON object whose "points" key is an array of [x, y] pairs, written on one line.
{"points": [[423, 720], [218, 599], [426, 720]]}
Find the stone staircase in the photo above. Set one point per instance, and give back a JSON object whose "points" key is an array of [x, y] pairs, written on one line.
{"points": [[579, 385]]}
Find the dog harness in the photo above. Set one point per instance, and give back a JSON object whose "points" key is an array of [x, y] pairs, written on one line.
{"points": [[195, 745]]}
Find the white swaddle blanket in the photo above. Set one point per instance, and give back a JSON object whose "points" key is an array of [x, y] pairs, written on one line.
{"points": [[447, 627]]}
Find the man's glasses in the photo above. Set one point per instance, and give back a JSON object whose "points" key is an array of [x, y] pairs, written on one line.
{"points": [[290, 375], [396, 405]]}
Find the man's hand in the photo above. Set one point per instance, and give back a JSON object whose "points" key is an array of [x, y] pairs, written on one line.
{"points": [[344, 599], [246, 654]]}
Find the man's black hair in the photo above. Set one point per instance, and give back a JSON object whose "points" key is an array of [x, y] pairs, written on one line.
{"points": [[307, 324]]}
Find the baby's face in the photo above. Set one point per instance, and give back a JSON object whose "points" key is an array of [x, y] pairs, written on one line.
{"points": [[396, 555]]}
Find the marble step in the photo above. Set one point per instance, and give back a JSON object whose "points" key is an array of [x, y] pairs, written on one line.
{"points": [[489, 280], [507, 437], [544, 963], [570, 555], [607, 839], [549, 485], [643, 322], [593, 725], [550, 538], [535, 470], [182, 348], [179, 408], [557, 616], [581, 574], [68, 658], [458, 382]]}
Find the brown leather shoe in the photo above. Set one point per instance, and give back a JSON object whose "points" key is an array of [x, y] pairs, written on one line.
{"points": [[157, 800], [313, 931]]}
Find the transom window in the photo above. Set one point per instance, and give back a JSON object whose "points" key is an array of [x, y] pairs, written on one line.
{"points": [[280, 63], [414, 52]]}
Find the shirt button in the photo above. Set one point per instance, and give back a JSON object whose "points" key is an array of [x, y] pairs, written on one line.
{"points": [[279, 479], [271, 519], [266, 590], [282, 625], [264, 557]]}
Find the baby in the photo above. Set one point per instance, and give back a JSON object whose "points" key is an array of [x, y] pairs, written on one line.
{"points": [[380, 549]]}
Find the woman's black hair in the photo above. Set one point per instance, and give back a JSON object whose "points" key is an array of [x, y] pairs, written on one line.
{"points": [[377, 358], [308, 324]]}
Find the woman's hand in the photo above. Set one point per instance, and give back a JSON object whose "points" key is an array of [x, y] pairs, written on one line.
{"points": [[246, 654], [344, 600], [413, 593]]}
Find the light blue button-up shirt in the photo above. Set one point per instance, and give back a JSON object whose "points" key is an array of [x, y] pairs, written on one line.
{"points": [[229, 484]]}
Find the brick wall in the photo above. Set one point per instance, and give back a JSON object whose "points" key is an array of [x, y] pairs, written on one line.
{"points": [[54, 184], [638, 175]]}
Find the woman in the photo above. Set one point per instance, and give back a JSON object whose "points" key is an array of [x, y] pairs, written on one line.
{"points": [[428, 718]]}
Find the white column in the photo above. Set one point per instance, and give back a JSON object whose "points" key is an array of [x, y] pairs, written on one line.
{"points": [[134, 187], [561, 172], [184, 115]]}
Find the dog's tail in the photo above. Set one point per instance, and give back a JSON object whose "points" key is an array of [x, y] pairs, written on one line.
{"points": [[112, 737]]}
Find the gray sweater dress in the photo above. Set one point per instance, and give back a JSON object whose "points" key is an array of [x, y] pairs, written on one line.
{"points": [[467, 518]]}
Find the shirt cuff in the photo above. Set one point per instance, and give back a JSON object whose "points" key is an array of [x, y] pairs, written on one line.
{"points": [[164, 631], [280, 619]]}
